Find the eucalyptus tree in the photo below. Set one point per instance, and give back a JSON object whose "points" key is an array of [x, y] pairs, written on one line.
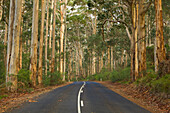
{"points": [[159, 40], [43, 4], [34, 42], [13, 44]]}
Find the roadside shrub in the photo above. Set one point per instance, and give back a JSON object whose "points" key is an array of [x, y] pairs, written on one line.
{"points": [[46, 80], [121, 75], [24, 78], [161, 85], [3, 96], [24, 82], [55, 78]]}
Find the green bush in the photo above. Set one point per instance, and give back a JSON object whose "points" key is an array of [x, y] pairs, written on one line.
{"points": [[3, 96], [46, 80], [55, 78], [155, 83], [161, 85], [24, 82], [24, 78], [121, 75]]}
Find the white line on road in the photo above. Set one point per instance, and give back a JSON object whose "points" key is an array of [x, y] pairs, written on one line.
{"points": [[78, 102], [82, 103]]}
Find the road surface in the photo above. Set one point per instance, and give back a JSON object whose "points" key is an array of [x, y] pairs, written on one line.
{"points": [[81, 97]]}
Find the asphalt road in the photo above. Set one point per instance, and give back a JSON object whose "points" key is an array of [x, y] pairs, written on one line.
{"points": [[81, 97]]}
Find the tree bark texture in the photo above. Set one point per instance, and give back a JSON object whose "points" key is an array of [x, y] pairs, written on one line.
{"points": [[159, 40], [34, 42]]}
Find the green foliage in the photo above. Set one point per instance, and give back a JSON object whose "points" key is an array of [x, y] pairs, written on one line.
{"points": [[2, 66], [121, 75], [156, 84], [24, 82], [161, 85], [3, 96], [55, 78], [46, 80]]}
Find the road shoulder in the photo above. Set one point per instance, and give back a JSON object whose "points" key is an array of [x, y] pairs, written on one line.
{"points": [[134, 96]]}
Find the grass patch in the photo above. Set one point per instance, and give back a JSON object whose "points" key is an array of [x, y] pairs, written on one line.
{"points": [[3, 96]]}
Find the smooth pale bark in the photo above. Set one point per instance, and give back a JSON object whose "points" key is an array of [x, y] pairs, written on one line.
{"points": [[10, 36], [93, 62], [46, 37], [34, 42], [1, 10], [53, 44], [159, 40], [43, 3], [141, 38], [136, 38], [108, 58], [62, 14], [58, 51], [20, 49], [65, 53], [80, 59], [147, 31], [70, 62], [134, 58], [50, 34], [5, 44], [14, 60]]}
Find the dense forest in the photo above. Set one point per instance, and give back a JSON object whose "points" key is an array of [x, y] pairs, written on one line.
{"points": [[48, 42]]}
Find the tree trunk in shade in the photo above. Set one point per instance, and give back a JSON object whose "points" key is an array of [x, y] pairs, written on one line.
{"points": [[159, 52]]}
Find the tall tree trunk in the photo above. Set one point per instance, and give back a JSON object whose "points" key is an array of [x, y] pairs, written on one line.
{"points": [[63, 14], [108, 58], [50, 34], [53, 45], [10, 40], [142, 44], [111, 58], [93, 62], [65, 39], [34, 42], [46, 38], [43, 4], [5, 44], [1, 9], [70, 62], [14, 61], [159, 40], [136, 38], [134, 58], [20, 50]]}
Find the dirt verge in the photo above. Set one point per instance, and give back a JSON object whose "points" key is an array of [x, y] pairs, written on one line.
{"points": [[14, 100], [144, 99]]}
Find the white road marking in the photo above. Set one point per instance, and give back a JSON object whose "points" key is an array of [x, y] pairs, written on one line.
{"points": [[78, 102], [82, 103]]}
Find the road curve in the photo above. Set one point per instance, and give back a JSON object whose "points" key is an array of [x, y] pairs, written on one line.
{"points": [[93, 98]]}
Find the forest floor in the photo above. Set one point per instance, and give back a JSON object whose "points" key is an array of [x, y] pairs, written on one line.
{"points": [[15, 100], [143, 98]]}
